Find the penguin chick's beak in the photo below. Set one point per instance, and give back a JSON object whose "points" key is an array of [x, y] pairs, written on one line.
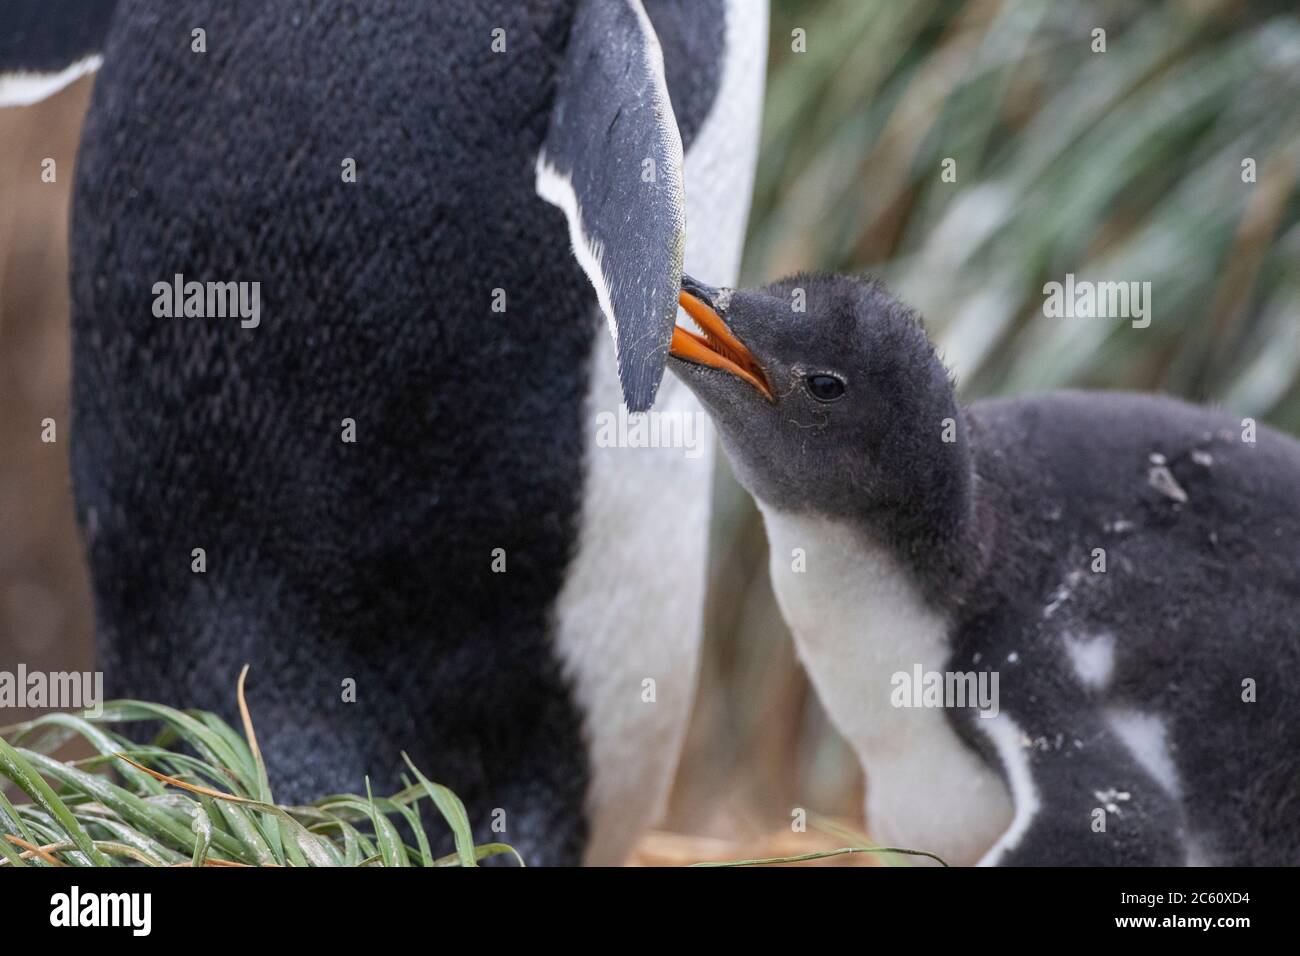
{"points": [[714, 345]]}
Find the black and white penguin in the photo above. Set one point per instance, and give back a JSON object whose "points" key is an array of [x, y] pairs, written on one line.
{"points": [[490, 582], [1128, 567]]}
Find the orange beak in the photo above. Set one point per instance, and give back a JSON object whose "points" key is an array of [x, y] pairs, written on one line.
{"points": [[715, 346]]}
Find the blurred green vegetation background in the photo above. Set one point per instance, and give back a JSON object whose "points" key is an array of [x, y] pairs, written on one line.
{"points": [[1122, 165]]}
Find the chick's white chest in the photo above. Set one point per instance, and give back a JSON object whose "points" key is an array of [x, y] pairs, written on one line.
{"points": [[858, 619]]}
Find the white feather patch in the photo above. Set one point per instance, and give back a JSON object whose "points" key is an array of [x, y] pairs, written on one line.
{"points": [[1093, 658], [1013, 750], [1146, 739], [24, 89], [557, 189]]}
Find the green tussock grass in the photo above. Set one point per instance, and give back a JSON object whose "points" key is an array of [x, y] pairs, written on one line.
{"points": [[1123, 164], [198, 795], [156, 805]]}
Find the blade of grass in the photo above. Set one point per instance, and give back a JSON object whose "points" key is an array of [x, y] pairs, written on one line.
{"points": [[390, 844], [202, 827], [452, 810], [11, 823], [307, 845], [821, 855], [481, 852], [14, 766]]}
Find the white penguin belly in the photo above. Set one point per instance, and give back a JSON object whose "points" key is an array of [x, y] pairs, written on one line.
{"points": [[858, 619]]}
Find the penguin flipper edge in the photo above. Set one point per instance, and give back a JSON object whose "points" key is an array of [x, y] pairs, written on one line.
{"points": [[612, 161], [46, 45]]}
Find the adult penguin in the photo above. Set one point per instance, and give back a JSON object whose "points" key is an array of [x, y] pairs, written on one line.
{"points": [[339, 381]]}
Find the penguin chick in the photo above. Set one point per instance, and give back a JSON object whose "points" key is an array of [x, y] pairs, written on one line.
{"points": [[1121, 571]]}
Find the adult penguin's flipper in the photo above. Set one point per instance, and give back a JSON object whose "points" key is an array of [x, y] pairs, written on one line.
{"points": [[47, 44], [613, 162]]}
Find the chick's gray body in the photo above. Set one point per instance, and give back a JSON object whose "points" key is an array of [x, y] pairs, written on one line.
{"points": [[1198, 533], [1128, 566]]}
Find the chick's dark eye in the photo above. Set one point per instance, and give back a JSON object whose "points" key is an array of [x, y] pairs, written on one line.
{"points": [[825, 388]]}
